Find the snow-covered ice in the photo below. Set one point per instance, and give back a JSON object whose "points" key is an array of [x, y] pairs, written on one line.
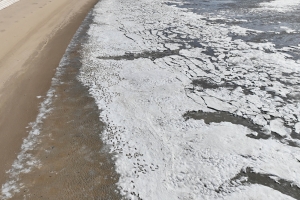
{"points": [[6, 3], [147, 64], [297, 127], [278, 127]]}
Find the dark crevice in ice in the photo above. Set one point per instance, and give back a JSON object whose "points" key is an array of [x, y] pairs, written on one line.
{"points": [[249, 176], [183, 40], [209, 51], [153, 55], [295, 135], [286, 82], [208, 83], [287, 140], [280, 40], [202, 83], [221, 116], [290, 98], [273, 93], [292, 143]]}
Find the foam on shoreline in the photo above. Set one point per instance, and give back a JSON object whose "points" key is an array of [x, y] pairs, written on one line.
{"points": [[25, 161]]}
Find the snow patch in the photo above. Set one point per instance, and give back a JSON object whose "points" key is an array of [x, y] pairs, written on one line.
{"points": [[277, 126], [297, 127], [6, 3]]}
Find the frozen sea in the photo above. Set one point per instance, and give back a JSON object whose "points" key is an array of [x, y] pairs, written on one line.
{"points": [[201, 99]]}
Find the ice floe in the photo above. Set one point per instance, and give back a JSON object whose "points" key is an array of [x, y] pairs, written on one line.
{"points": [[297, 127]]}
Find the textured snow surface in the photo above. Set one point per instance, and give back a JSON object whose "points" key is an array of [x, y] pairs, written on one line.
{"points": [[6, 3], [147, 64]]}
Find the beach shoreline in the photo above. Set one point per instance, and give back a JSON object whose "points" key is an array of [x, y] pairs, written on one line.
{"points": [[33, 43]]}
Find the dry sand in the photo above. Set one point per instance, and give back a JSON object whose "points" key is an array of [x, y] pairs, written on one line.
{"points": [[33, 37]]}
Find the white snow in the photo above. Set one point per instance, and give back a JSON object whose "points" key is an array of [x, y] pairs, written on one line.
{"points": [[297, 127], [287, 29], [159, 154], [277, 126], [6, 3]]}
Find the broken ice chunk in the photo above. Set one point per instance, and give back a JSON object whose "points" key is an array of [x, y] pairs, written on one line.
{"points": [[297, 127], [217, 104], [260, 120], [277, 126]]}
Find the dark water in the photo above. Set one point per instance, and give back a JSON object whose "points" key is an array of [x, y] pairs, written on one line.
{"points": [[249, 176]]}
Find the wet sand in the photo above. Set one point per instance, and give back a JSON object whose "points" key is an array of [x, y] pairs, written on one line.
{"points": [[74, 163], [34, 36]]}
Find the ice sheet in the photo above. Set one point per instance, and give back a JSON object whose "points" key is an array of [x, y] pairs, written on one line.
{"points": [[144, 88]]}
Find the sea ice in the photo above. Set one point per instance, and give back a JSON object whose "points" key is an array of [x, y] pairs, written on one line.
{"points": [[277, 126], [142, 98]]}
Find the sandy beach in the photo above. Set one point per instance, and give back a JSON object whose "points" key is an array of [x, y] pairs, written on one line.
{"points": [[33, 36]]}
